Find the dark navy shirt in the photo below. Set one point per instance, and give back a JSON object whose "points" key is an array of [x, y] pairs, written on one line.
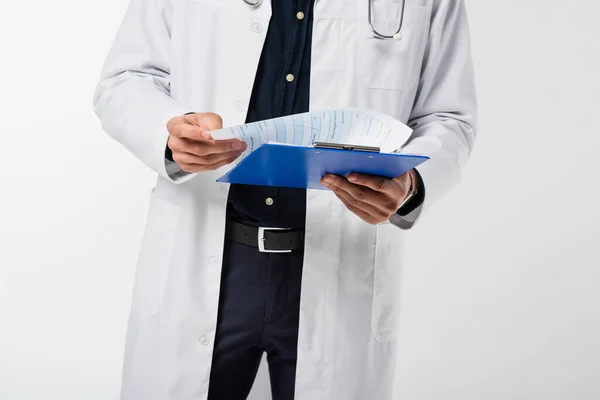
{"points": [[281, 87]]}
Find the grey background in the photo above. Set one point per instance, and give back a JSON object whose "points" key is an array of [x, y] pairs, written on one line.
{"points": [[500, 295]]}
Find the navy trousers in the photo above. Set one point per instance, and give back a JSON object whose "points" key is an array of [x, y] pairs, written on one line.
{"points": [[258, 313]]}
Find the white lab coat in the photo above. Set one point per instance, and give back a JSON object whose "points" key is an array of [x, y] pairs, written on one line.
{"points": [[175, 56]]}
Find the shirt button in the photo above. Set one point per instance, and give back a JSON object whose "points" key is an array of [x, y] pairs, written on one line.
{"points": [[257, 27], [203, 340], [300, 15], [213, 261], [289, 77], [239, 105], [269, 201]]}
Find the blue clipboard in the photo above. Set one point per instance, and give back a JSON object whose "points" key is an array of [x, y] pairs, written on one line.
{"points": [[283, 165]]}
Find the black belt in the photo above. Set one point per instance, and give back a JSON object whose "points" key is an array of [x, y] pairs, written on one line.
{"points": [[268, 240]]}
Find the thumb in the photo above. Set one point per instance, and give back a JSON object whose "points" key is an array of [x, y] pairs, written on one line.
{"points": [[208, 121], [206, 135]]}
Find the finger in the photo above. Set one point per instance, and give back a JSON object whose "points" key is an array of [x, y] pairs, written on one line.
{"points": [[177, 144], [205, 147], [189, 131], [374, 182], [221, 146], [210, 159], [356, 206], [394, 189], [222, 163], [361, 193], [185, 145], [362, 214], [193, 168], [204, 167], [179, 128], [380, 200]]}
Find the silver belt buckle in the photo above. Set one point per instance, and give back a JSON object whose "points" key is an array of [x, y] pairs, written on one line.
{"points": [[261, 240]]}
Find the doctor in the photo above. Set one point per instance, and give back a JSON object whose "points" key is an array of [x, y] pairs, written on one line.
{"points": [[321, 297]]}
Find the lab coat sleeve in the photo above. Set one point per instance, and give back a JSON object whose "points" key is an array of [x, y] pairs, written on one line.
{"points": [[444, 114], [132, 99]]}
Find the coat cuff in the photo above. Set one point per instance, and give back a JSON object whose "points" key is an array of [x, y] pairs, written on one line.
{"points": [[416, 201], [406, 216]]}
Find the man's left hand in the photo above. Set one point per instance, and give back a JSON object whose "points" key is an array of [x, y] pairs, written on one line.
{"points": [[373, 198]]}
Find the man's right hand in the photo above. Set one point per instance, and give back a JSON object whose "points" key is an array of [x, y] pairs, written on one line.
{"points": [[194, 150]]}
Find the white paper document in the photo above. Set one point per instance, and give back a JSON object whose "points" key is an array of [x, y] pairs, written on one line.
{"points": [[349, 125]]}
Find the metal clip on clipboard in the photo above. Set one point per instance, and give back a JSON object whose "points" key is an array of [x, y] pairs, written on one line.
{"points": [[343, 146]]}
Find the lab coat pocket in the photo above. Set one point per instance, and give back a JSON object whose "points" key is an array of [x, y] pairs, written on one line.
{"points": [[387, 275], [392, 64], [155, 255]]}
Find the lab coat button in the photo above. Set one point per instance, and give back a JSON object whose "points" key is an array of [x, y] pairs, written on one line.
{"points": [[203, 340], [289, 77], [300, 15], [213, 261], [257, 27], [269, 201]]}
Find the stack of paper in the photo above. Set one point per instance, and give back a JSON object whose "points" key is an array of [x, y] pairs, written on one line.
{"points": [[281, 152], [348, 125]]}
